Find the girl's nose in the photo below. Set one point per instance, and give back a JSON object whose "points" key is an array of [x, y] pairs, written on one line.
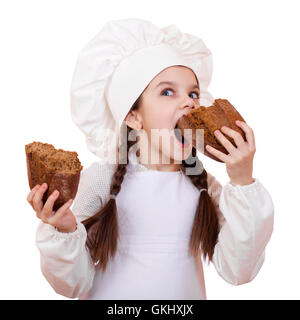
{"points": [[189, 103]]}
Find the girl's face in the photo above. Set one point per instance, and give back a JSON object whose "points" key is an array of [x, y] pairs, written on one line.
{"points": [[162, 106]]}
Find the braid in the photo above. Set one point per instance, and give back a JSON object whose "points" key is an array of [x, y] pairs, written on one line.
{"points": [[121, 170], [206, 225], [118, 179], [102, 227]]}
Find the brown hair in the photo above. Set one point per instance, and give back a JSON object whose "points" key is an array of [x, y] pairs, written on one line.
{"points": [[102, 227]]}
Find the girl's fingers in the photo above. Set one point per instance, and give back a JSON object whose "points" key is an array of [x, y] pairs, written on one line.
{"points": [[225, 142], [220, 155], [48, 207], [236, 136], [54, 220], [37, 203], [32, 193], [249, 134]]}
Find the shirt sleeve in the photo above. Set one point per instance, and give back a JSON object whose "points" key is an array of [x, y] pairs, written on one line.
{"points": [[65, 261], [246, 215]]}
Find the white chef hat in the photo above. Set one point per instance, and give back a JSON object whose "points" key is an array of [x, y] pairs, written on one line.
{"points": [[114, 68]]}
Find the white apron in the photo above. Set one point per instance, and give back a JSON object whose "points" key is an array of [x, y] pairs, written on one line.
{"points": [[156, 210]]}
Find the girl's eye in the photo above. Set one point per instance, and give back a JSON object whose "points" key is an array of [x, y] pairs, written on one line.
{"points": [[197, 95], [166, 90]]}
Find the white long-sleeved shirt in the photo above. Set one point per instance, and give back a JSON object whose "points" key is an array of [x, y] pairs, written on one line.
{"points": [[155, 216]]}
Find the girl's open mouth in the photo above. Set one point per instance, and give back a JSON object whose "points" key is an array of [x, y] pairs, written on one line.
{"points": [[184, 143]]}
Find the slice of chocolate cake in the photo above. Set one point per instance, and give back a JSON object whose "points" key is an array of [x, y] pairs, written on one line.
{"points": [[221, 113], [60, 169]]}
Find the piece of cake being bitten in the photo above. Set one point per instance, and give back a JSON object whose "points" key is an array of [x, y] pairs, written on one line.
{"points": [[60, 169], [221, 113]]}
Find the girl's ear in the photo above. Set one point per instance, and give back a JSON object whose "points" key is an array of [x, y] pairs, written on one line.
{"points": [[134, 120]]}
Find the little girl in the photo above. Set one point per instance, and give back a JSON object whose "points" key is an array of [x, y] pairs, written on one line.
{"points": [[139, 228]]}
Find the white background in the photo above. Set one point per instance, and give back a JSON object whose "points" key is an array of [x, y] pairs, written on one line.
{"points": [[255, 46]]}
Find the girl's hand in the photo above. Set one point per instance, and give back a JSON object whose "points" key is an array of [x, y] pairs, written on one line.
{"points": [[63, 219], [239, 161]]}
